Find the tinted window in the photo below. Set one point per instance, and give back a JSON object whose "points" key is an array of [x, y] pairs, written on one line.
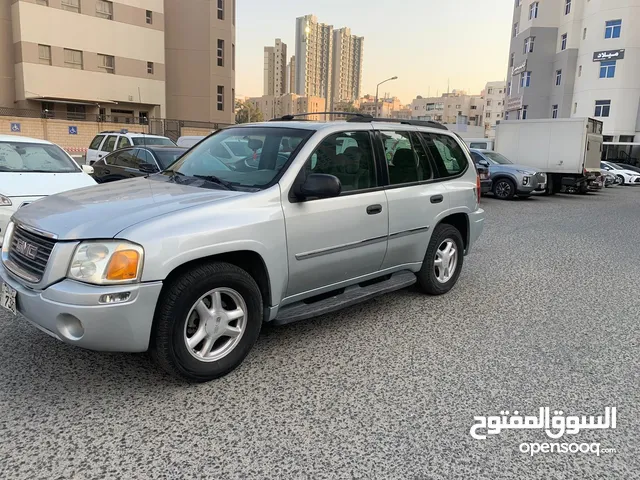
{"points": [[95, 144], [447, 153], [477, 157], [141, 141], [110, 143], [144, 156], [167, 157], [406, 158], [348, 156], [127, 159], [123, 142]]}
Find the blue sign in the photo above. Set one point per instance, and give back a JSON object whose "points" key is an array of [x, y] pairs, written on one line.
{"points": [[15, 127], [73, 130]]}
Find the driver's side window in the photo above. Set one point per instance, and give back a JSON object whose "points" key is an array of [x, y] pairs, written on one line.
{"points": [[347, 156]]}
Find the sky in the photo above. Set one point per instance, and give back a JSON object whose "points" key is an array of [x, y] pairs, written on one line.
{"points": [[423, 42]]}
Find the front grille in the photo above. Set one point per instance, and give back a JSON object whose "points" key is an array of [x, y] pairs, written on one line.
{"points": [[30, 253], [541, 177]]}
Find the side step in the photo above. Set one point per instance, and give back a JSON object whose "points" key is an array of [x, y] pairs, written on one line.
{"points": [[351, 296]]}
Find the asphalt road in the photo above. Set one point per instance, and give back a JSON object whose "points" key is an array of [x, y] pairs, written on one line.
{"points": [[545, 315]]}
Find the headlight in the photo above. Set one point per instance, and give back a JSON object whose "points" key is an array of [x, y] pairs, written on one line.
{"points": [[5, 201], [107, 262]]}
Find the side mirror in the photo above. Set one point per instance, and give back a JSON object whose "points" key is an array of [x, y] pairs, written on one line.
{"points": [[319, 185], [484, 163], [87, 169], [148, 168]]}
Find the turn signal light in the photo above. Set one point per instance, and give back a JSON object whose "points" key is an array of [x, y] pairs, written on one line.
{"points": [[123, 265]]}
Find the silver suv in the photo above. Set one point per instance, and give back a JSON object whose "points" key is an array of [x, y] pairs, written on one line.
{"points": [[190, 262]]}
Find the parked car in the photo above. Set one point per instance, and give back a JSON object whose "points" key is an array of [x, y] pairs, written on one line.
{"points": [[509, 179], [109, 141], [626, 166], [189, 141], [190, 262], [31, 169], [625, 176], [609, 179], [135, 162]]}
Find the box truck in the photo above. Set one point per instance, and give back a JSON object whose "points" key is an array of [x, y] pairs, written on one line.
{"points": [[567, 149]]}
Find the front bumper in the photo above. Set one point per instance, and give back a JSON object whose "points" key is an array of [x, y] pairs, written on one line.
{"points": [[70, 311], [476, 226], [529, 184]]}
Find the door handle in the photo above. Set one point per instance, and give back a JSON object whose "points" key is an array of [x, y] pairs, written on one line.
{"points": [[437, 199], [374, 209]]}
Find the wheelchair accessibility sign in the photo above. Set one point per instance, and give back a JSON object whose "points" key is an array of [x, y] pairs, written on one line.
{"points": [[15, 127], [73, 130]]}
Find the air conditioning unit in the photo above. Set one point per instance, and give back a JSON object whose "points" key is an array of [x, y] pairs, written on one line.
{"points": [[131, 98]]}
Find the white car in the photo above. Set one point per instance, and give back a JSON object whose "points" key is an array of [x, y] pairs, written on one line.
{"points": [[625, 177], [31, 169], [106, 142]]}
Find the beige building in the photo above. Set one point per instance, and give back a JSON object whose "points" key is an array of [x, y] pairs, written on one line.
{"points": [[449, 107], [289, 104], [275, 69], [120, 60], [385, 107], [291, 72], [494, 95], [313, 66], [348, 54]]}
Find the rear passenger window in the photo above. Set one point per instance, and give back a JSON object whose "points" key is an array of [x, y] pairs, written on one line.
{"points": [[127, 159], [123, 143], [95, 144], [406, 158], [110, 143], [448, 154]]}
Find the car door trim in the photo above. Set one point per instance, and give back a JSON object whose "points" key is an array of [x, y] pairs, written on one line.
{"points": [[411, 231], [341, 248]]}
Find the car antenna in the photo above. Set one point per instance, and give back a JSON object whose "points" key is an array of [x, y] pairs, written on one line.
{"points": [[144, 138]]}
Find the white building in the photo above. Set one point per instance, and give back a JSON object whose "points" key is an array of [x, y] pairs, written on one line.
{"points": [[450, 108], [493, 95], [275, 69], [314, 48], [348, 52], [577, 58]]}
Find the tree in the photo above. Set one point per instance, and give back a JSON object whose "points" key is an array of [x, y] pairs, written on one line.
{"points": [[247, 113]]}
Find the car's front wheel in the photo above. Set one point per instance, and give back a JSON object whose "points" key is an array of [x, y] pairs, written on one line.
{"points": [[504, 189], [620, 179], [443, 261], [207, 321]]}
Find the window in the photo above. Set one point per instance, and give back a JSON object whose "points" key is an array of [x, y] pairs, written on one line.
{"points": [[123, 142], [612, 29], [528, 45], [95, 143], [73, 59], [220, 98], [104, 9], [533, 10], [233, 56], [71, 5], [603, 108], [515, 29], [575, 108], [558, 77], [144, 156], [448, 155], [584, 34], [348, 156], [509, 88], [233, 13], [126, 159], [488, 115], [106, 63], [44, 53], [76, 112], [580, 71], [220, 9], [149, 17], [563, 42], [567, 7], [608, 69], [525, 79], [524, 111], [43, 2], [110, 143], [406, 158], [512, 59], [150, 68], [47, 109], [220, 53], [488, 103], [518, 3], [554, 111], [506, 115]]}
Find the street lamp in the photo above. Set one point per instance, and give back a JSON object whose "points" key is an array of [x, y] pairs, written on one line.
{"points": [[378, 86]]}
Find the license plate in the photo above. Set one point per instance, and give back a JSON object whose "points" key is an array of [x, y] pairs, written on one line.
{"points": [[8, 298]]}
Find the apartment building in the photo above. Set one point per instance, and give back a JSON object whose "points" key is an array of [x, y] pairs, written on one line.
{"points": [[119, 60], [291, 74], [384, 108], [348, 54], [275, 69], [273, 106], [494, 94], [450, 108], [314, 48], [577, 58]]}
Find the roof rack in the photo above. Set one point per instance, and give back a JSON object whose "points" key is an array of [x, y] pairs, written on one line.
{"points": [[124, 131], [288, 118], [416, 123]]}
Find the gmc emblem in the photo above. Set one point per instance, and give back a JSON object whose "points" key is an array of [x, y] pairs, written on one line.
{"points": [[26, 249]]}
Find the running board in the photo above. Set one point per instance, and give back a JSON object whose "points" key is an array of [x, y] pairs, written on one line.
{"points": [[351, 296]]}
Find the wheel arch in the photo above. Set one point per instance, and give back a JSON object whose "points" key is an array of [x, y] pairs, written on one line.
{"points": [[460, 221]]}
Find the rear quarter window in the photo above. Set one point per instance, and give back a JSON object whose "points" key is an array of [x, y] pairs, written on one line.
{"points": [[448, 154]]}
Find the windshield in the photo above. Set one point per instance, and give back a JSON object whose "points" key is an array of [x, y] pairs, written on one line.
{"points": [[152, 141], [268, 150], [240, 149], [34, 157], [628, 167], [167, 157], [497, 158]]}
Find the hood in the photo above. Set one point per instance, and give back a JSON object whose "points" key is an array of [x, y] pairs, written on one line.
{"points": [[104, 210], [514, 167], [25, 184], [627, 172]]}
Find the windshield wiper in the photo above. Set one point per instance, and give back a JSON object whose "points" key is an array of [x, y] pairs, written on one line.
{"points": [[216, 180]]}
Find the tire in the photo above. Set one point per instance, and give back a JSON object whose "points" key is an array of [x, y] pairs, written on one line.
{"points": [[504, 189], [427, 279], [583, 189], [621, 178], [177, 320]]}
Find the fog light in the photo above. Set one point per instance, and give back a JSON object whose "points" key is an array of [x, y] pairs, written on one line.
{"points": [[525, 180], [115, 297]]}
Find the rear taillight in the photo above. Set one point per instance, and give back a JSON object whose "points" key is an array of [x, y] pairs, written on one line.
{"points": [[478, 186]]}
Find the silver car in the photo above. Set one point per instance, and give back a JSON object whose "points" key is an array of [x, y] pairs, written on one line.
{"points": [[190, 262], [508, 178]]}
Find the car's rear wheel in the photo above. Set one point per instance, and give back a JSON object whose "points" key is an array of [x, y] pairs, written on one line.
{"points": [[207, 321], [504, 189], [443, 261]]}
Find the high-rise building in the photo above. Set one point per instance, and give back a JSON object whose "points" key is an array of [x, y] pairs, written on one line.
{"points": [[275, 69], [119, 59], [291, 71], [576, 58], [313, 65], [348, 51], [493, 95]]}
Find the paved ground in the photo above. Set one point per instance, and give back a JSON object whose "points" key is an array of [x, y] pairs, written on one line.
{"points": [[384, 390]]}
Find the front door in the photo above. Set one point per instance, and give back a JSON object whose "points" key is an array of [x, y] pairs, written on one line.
{"points": [[334, 240]]}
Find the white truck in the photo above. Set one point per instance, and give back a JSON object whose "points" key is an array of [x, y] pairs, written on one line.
{"points": [[568, 149]]}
